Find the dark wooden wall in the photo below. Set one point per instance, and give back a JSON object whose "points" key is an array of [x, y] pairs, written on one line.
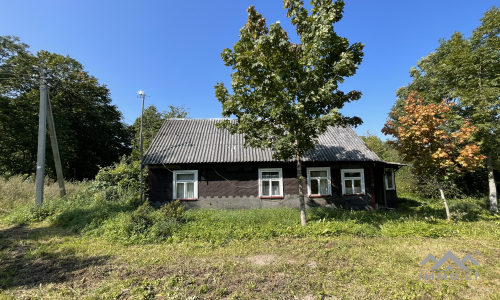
{"points": [[242, 181]]}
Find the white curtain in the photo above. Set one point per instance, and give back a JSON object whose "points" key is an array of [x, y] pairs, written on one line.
{"points": [[276, 188], [180, 190], [265, 188], [190, 190], [348, 187], [323, 184], [357, 186]]}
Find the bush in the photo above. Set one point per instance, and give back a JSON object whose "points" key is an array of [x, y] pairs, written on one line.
{"points": [[109, 207], [122, 175], [173, 210], [139, 226], [140, 220]]}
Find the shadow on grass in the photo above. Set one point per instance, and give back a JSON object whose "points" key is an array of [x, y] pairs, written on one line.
{"points": [[24, 263], [79, 218], [467, 210]]}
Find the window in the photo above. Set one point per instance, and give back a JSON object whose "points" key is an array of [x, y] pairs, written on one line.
{"points": [[186, 185], [270, 183], [318, 181], [353, 182], [389, 179]]}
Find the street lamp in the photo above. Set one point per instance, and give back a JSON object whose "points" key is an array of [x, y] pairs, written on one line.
{"points": [[141, 94]]}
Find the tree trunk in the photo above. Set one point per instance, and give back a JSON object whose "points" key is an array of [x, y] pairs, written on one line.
{"points": [[492, 187], [448, 217], [301, 192]]}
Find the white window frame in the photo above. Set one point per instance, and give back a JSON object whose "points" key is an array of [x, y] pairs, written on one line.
{"points": [[393, 180], [328, 178], [343, 171], [280, 173], [195, 173]]}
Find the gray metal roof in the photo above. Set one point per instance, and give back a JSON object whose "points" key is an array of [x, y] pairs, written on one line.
{"points": [[199, 141]]}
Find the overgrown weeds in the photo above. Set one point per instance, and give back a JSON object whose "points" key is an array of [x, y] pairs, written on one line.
{"points": [[19, 191], [115, 213], [108, 207], [416, 218]]}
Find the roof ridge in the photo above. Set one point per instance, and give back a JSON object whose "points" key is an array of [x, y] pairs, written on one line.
{"points": [[193, 119]]}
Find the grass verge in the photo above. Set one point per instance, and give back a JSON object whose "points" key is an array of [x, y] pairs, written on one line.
{"points": [[45, 262], [105, 244]]}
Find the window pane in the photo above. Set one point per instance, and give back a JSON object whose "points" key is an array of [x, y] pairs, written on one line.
{"points": [[314, 187], [352, 174], [189, 190], [318, 173], [348, 186], [180, 191], [389, 180], [265, 188], [267, 175], [357, 186], [185, 176], [276, 188], [323, 183]]}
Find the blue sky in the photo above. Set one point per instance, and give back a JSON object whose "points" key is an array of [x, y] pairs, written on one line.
{"points": [[171, 49]]}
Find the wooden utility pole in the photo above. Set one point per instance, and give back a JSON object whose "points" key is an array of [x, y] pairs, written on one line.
{"points": [[40, 161], [55, 147], [45, 115]]}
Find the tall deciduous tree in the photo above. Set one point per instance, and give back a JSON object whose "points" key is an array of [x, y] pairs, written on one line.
{"points": [[467, 71], [286, 94], [423, 138], [152, 122], [89, 128]]}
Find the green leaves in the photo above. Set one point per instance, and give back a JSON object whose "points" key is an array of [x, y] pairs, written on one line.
{"points": [[465, 71], [89, 128], [286, 94]]}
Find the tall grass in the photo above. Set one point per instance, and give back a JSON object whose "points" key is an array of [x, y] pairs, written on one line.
{"points": [[416, 217], [19, 191], [117, 215]]}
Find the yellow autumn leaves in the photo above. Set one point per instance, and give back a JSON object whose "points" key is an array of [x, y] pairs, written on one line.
{"points": [[424, 135]]}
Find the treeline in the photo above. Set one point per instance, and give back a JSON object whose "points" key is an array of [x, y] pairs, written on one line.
{"points": [[90, 129], [447, 120]]}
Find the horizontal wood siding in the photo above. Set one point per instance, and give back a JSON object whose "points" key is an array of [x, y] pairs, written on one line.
{"points": [[240, 182], [242, 185], [161, 188]]}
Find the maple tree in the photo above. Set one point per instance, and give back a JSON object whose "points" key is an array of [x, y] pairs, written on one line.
{"points": [[424, 139], [466, 70], [285, 94]]}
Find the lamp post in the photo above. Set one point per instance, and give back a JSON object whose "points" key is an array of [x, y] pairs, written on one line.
{"points": [[142, 95]]}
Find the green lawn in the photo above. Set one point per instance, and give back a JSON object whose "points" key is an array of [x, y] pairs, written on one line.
{"points": [[71, 251], [51, 263]]}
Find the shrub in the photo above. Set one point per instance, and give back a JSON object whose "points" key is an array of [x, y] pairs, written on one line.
{"points": [[173, 210], [123, 175], [138, 226], [141, 219]]}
